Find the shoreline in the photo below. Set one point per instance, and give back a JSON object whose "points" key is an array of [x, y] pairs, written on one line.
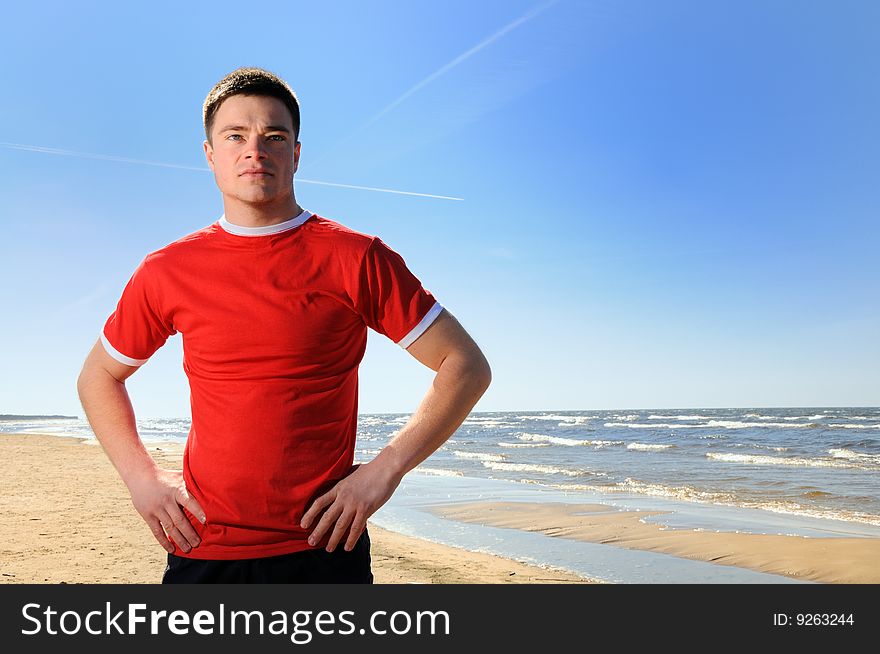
{"points": [[58, 528], [831, 560]]}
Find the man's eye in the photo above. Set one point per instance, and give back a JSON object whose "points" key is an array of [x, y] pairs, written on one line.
{"points": [[233, 136], [277, 136]]}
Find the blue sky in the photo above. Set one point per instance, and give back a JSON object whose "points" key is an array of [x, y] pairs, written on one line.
{"points": [[663, 204]]}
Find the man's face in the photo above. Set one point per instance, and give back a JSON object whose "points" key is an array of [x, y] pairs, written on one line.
{"points": [[254, 155]]}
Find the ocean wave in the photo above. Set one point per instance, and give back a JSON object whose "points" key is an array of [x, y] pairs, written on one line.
{"points": [[641, 425], [759, 459], [690, 494], [568, 442], [843, 453], [574, 421], [647, 447], [725, 424], [661, 417], [479, 456], [761, 447], [486, 422], [555, 417], [532, 467], [736, 424], [850, 426], [373, 421], [439, 472], [503, 444]]}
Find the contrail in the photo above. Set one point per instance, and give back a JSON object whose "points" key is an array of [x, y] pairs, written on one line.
{"points": [[381, 190], [88, 155], [443, 70], [462, 57], [108, 157]]}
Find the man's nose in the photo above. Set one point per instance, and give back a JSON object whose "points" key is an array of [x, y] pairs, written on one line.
{"points": [[256, 148]]}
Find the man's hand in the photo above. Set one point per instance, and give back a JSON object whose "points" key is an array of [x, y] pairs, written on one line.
{"points": [[349, 504], [158, 497]]}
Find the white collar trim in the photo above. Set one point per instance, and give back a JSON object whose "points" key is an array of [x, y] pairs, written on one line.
{"points": [[241, 230]]}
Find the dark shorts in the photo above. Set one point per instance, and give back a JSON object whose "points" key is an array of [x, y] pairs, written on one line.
{"points": [[310, 567]]}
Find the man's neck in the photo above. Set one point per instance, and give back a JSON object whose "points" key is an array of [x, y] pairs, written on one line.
{"points": [[255, 215]]}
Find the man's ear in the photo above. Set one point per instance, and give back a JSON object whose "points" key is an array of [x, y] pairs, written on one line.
{"points": [[209, 154], [296, 153]]}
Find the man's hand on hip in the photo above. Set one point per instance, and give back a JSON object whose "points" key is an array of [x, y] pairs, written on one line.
{"points": [[158, 497], [348, 505]]}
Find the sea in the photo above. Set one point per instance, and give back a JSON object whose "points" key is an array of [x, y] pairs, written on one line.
{"points": [[809, 471]]}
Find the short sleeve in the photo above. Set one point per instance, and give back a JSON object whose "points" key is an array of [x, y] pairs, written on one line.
{"points": [[138, 327], [390, 299]]}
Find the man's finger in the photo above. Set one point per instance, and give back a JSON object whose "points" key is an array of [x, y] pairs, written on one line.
{"points": [[174, 533], [189, 503], [329, 517], [317, 506], [156, 527], [357, 528], [340, 529], [184, 526]]}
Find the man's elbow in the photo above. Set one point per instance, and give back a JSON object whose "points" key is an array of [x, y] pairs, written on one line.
{"points": [[485, 373], [477, 371]]}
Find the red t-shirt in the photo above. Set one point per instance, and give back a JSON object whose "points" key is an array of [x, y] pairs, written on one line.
{"points": [[274, 324]]}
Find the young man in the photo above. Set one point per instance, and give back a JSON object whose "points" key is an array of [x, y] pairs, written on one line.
{"points": [[273, 303]]}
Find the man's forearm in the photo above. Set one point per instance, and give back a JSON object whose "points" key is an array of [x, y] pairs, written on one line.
{"points": [[109, 412], [457, 386]]}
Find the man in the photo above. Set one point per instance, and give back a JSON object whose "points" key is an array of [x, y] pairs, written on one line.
{"points": [[273, 303]]}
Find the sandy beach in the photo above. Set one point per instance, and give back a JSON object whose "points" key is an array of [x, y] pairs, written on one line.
{"points": [[66, 517]]}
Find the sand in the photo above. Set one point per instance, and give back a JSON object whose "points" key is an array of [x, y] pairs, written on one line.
{"points": [[827, 560], [66, 517]]}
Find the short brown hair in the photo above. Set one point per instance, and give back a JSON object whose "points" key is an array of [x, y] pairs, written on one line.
{"points": [[249, 81]]}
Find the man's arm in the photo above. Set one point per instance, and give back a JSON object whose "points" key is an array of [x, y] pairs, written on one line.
{"points": [[463, 375], [156, 494]]}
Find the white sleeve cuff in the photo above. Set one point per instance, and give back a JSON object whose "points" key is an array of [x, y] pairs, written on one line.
{"points": [[419, 329], [119, 356]]}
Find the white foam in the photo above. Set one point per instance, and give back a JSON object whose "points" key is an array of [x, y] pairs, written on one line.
{"points": [[641, 425], [568, 442], [503, 444], [531, 467], [736, 424], [647, 447], [758, 459], [488, 422], [850, 426], [576, 420], [843, 453], [479, 456], [564, 421], [725, 424], [678, 417], [439, 472]]}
